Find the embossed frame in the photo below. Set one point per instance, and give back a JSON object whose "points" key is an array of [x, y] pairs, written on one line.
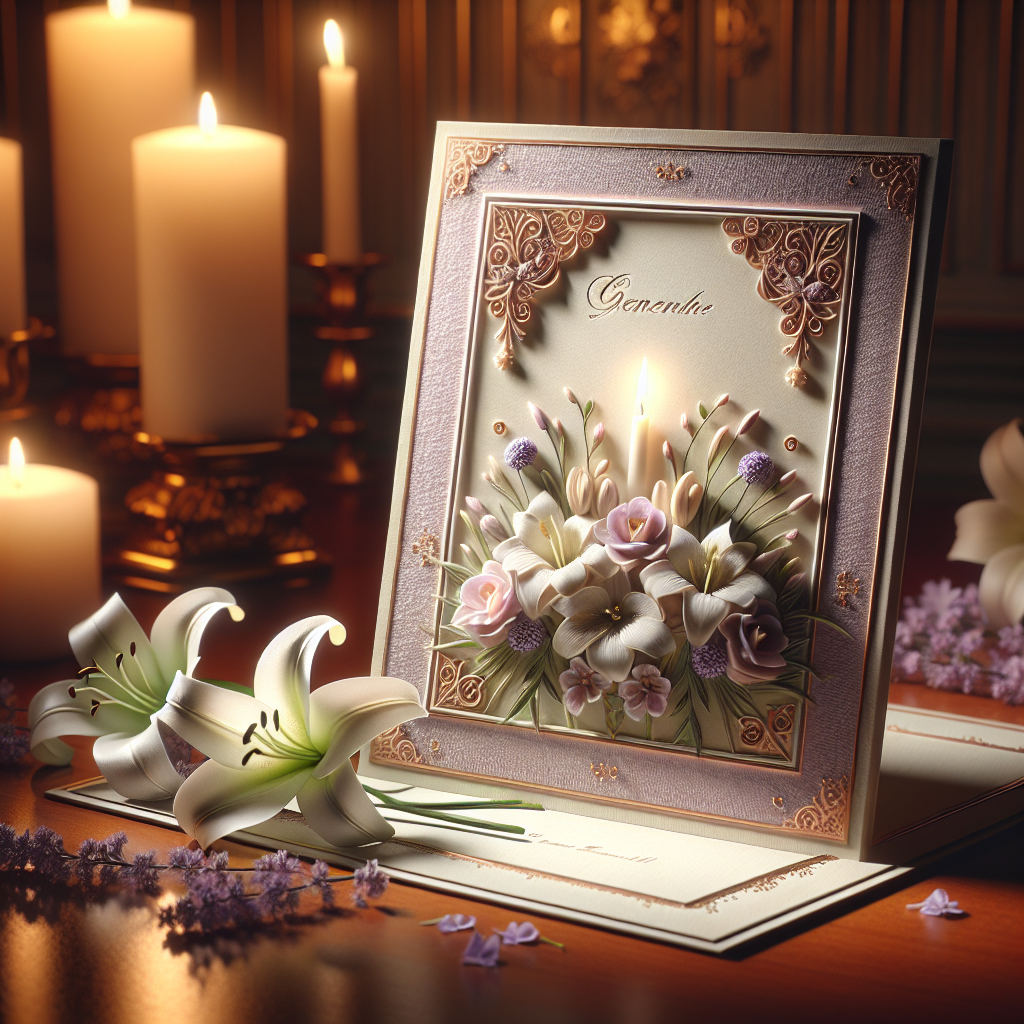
{"points": [[895, 292]]}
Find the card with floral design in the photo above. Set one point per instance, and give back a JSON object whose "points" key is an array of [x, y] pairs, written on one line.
{"points": [[650, 507]]}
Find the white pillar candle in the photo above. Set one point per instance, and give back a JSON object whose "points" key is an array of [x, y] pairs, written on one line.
{"points": [[212, 262], [49, 556], [12, 240], [113, 74], [339, 149], [636, 476]]}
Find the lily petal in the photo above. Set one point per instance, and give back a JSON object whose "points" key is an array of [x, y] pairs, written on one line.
{"points": [[535, 591], [611, 657], [338, 810], [734, 559], [660, 580], [719, 539], [702, 615], [179, 627], [53, 713], [651, 636], [1001, 587], [344, 715], [215, 800], [576, 634], [1002, 464], [137, 765], [283, 671], [745, 589], [983, 528]]}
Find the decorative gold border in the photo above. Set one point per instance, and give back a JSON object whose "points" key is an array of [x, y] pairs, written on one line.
{"points": [[828, 813], [455, 689], [898, 174], [465, 157]]}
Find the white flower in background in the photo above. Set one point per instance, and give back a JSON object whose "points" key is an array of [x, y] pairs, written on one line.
{"points": [[609, 622], [127, 682], [991, 531], [699, 582], [551, 556], [285, 742]]}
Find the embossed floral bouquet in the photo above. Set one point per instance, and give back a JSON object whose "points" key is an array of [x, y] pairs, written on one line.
{"points": [[680, 617]]}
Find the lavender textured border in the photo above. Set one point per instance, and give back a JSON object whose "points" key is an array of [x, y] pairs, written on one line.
{"points": [[676, 784]]}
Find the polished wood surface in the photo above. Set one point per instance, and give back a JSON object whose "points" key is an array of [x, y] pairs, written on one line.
{"points": [[115, 963]]}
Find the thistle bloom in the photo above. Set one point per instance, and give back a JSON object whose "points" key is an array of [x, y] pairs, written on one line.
{"points": [[526, 634], [125, 687], [756, 467], [646, 693], [520, 453], [991, 532], [710, 577], [610, 622], [551, 556], [581, 685], [284, 742]]}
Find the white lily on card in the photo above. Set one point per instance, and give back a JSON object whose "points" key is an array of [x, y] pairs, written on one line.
{"points": [[126, 679]]}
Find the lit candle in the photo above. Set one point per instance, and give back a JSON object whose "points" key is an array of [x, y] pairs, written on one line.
{"points": [[636, 477], [49, 556], [212, 263], [114, 73], [12, 241], [339, 149]]}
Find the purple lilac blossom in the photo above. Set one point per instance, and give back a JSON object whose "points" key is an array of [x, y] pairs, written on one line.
{"points": [[756, 468], [520, 453], [938, 904], [14, 743], [274, 876], [710, 660], [369, 883], [455, 923], [526, 635], [481, 952], [519, 934]]}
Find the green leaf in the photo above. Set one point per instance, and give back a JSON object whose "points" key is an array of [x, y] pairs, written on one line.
{"points": [[588, 408], [702, 409], [824, 621]]}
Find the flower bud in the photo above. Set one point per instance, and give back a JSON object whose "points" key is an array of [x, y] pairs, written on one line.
{"points": [[468, 552], [559, 429], [602, 468], [785, 480], [660, 499], [792, 535], [607, 496], [670, 455], [579, 489], [538, 416], [798, 503], [720, 401], [747, 422], [685, 499], [684, 422], [568, 394], [598, 436], [493, 530], [716, 443], [475, 505]]}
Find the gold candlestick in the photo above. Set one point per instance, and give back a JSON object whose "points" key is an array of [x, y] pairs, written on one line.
{"points": [[15, 370]]}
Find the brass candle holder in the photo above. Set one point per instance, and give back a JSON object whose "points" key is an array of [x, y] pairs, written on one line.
{"points": [[15, 370], [342, 292], [217, 512]]}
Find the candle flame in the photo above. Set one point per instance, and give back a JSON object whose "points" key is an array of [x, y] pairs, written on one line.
{"points": [[334, 44], [207, 114], [119, 8], [641, 388], [16, 462]]}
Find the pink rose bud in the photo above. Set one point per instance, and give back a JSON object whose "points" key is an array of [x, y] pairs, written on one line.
{"points": [[720, 401], [598, 436], [539, 418], [602, 468], [568, 394], [747, 422], [684, 422], [798, 503]]}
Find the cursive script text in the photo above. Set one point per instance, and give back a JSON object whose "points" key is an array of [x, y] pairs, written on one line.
{"points": [[607, 294]]}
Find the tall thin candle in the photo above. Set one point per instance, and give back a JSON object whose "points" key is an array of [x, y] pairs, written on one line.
{"points": [[636, 477], [12, 240]]}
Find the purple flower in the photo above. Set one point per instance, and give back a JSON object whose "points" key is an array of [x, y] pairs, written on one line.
{"points": [[581, 685], [275, 877], [185, 860], [370, 882], [756, 467], [526, 635], [14, 743], [482, 952], [710, 660], [455, 923], [646, 693], [141, 874], [319, 874], [520, 453], [633, 532], [519, 934], [938, 904], [754, 643]]}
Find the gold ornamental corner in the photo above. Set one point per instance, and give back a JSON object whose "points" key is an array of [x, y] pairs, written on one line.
{"points": [[465, 157], [827, 814], [802, 267], [528, 246], [898, 174], [395, 746], [456, 689]]}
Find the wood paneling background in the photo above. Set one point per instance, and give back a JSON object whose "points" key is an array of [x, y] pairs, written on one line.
{"points": [[906, 67]]}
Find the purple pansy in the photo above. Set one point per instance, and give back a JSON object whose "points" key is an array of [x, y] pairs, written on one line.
{"points": [[518, 934], [646, 693], [455, 923], [581, 685], [482, 952]]}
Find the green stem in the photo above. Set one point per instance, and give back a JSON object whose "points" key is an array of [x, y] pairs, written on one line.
{"points": [[456, 819]]}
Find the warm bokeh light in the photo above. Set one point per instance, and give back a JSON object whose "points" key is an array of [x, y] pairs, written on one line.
{"points": [[641, 387], [119, 8], [334, 44], [207, 114], [16, 462]]}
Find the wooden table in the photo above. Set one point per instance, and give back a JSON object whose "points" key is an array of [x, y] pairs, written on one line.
{"points": [[115, 962]]}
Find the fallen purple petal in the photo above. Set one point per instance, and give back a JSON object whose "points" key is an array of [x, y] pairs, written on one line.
{"points": [[519, 934], [938, 904], [481, 952], [455, 923]]}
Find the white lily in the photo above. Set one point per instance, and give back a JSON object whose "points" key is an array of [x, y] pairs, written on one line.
{"points": [[552, 556], [699, 582], [127, 684], [285, 742]]}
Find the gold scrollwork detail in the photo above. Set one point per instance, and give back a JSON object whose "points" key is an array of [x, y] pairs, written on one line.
{"points": [[847, 586], [528, 247], [827, 814], [395, 745], [671, 172], [802, 268], [898, 174], [773, 737], [604, 772], [427, 546], [465, 156], [455, 690]]}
